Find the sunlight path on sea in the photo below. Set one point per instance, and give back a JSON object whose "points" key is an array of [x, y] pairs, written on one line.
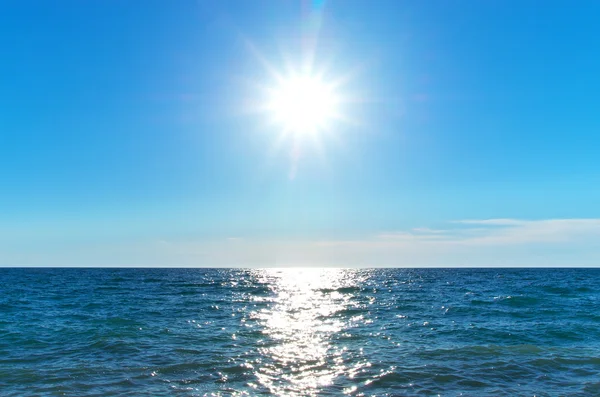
{"points": [[302, 349]]}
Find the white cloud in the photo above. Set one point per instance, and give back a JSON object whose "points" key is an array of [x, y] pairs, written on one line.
{"points": [[492, 222], [426, 230], [514, 231], [498, 242], [490, 242], [503, 232], [411, 236]]}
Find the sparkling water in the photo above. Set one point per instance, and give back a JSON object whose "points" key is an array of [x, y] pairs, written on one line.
{"points": [[299, 332]]}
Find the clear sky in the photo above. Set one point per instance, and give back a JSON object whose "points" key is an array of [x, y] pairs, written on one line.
{"points": [[140, 133]]}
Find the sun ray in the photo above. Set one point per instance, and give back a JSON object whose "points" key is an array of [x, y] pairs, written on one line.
{"points": [[302, 100]]}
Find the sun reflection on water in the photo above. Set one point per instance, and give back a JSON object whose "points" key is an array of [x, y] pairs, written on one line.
{"points": [[302, 327]]}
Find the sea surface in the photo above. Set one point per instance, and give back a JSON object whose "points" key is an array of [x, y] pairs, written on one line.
{"points": [[299, 332]]}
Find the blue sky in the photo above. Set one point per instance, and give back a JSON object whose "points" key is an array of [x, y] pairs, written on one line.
{"points": [[128, 134]]}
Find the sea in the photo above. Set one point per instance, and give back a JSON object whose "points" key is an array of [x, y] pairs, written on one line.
{"points": [[299, 332]]}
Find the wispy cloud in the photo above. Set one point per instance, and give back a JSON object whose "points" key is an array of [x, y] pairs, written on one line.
{"points": [[488, 242], [426, 230], [411, 236], [493, 222], [502, 232], [515, 231], [504, 242]]}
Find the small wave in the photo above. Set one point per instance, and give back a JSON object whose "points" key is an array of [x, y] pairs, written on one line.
{"points": [[482, 350], [183, 367], [111, 346], [341, 290], [517, 300]]}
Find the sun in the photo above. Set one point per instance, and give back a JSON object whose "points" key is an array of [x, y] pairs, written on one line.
{"points": [[303, 104]]}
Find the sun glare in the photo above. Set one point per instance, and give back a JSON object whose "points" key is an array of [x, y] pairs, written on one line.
{"points": [[303, 105]]}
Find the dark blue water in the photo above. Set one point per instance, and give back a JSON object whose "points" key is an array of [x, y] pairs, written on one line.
{"points": [[211, 332]]}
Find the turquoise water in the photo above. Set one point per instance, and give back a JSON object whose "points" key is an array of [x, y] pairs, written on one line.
{"points": [[299, 332]]}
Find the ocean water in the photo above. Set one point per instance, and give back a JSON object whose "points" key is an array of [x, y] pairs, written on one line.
{"points": [[299, 332]]}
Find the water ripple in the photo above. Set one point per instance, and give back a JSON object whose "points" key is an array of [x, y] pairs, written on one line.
{"points": [[299, 332]]}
